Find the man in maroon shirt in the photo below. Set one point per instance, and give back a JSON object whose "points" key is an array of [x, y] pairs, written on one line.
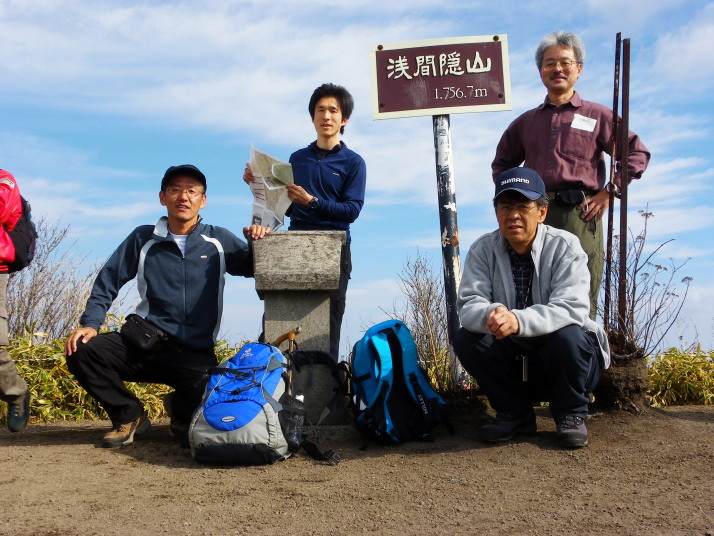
{"points": [[564, 139]]}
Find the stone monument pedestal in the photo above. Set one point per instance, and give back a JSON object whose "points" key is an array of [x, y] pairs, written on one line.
{"points": [[296, 273]]}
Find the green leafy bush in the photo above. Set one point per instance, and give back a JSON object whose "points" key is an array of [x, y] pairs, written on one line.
{"points": [[56, 395], [676, 377]]}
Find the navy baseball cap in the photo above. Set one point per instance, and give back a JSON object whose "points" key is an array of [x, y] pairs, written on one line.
{"points": [[183, 169], [523, 180]]}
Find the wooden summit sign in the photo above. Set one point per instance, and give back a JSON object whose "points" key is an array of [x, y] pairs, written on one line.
{"points": [[441, 76]]}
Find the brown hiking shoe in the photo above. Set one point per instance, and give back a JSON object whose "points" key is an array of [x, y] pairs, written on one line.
{"points": [[123, 434]]}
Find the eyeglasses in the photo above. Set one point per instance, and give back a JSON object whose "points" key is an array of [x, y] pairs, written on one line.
{"points": [[520, 208], [175, 191], [550, 65]]}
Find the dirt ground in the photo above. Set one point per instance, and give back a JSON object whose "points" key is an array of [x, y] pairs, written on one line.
{"points": [[645, 474]]}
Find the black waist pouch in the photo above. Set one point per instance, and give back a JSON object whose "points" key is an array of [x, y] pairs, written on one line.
{"points": [[142, 334], [569, 198]]}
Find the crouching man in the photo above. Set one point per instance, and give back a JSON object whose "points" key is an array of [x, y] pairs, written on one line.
{"points": [[180, 266], [523, 303]]}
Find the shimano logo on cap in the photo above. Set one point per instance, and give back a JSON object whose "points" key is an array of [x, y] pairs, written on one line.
{"points": [[515, 179]]}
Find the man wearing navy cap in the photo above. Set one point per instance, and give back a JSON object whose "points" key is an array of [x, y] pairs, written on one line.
{"points": [[523, 304], [180, 266]]}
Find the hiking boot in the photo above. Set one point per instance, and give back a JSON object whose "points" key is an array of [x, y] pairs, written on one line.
{"points": [[506, 426], [123, 434], [572, 432], [18, 413]]}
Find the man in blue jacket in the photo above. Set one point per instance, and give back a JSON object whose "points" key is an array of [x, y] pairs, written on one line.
{"points": [[180, 266], [523, 304], [330, 182]]}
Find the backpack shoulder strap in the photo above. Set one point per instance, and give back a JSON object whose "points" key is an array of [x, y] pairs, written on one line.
{"points": [[374, 375], [413, 373], [430, 403]]}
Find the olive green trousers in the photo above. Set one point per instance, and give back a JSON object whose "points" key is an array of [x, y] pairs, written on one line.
{"points": [[590, 234]]}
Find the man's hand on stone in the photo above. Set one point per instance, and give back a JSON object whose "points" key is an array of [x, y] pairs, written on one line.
{"points": [[256, 232]]}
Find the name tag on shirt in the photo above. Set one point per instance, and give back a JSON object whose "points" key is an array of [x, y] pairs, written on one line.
{"points": [[584, 123]]}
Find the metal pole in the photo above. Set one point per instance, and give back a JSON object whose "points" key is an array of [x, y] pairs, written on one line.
{"points": [[624, 180], [449, 233], [613, 170]]}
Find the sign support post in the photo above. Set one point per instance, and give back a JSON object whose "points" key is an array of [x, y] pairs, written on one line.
{"points": [[440, 77], [446, 190]]}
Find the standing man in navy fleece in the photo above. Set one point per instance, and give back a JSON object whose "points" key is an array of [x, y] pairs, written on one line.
{"points": [[330, 181]]}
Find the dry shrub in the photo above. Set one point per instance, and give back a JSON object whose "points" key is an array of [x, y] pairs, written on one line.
{"points": [[653, 295], [653, 298], [51, 293], [426, 316]]}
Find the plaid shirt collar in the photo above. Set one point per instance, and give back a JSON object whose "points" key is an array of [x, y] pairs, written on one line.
{"points": [[522, 270]]}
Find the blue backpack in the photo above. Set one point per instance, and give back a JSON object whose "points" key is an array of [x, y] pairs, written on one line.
{"points": [[238, 421], [247, 417], [394, 400]]}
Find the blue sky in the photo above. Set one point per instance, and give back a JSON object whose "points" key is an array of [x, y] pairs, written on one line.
{"points": [[99, 97]]}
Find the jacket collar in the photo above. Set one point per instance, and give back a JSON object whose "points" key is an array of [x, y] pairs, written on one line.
{"points": [[337, 148], [161, 229]]}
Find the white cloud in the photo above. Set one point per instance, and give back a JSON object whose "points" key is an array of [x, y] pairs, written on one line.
{"points": [[633, 15], [242, 311], [672, 183], [696, 321], [368, 302], [667, 223], [684, 56]]}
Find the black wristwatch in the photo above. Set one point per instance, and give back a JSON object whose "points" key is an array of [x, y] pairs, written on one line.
{"points": [[313, 203]]}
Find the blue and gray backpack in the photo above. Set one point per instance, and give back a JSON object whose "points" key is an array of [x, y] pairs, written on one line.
{"points": [[238, 420], [247, 417], [394, 400]]}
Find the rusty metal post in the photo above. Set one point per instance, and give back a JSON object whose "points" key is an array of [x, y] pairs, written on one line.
{"points": [[613, 170], [623, 320], [449, 233]]}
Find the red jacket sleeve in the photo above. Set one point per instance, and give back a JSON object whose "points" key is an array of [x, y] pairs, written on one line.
{"points": [[10, 212]]}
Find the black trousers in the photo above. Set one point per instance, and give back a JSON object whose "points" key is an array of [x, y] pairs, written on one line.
{"points": [[562, 368], [103, 365], [338, 302]]}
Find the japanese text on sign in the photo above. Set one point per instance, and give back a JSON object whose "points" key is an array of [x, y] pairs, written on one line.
{"points": [[440, 77], [426, 66]]}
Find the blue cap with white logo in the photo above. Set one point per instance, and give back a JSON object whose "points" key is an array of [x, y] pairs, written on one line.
{"points": [[523, 180]]}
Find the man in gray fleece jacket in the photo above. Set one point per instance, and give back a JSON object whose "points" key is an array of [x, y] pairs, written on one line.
{"points": [[523, 303]]}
